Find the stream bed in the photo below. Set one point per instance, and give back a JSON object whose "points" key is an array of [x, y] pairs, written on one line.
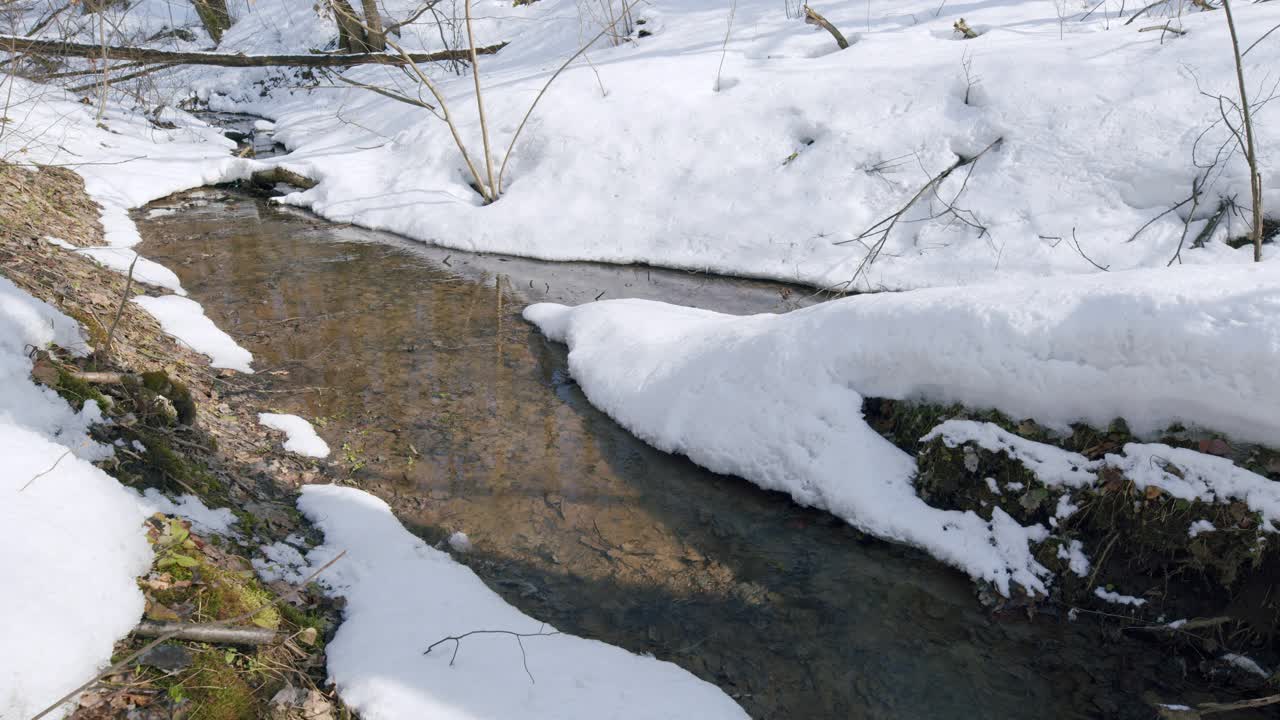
{"points": [[415, 365]]}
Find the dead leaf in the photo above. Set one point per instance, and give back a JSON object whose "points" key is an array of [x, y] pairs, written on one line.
{"points": [[161, 613], [1215, 446], [45, 372]]}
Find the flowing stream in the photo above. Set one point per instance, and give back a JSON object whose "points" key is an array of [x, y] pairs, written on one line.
{"points": [[416, 367]]}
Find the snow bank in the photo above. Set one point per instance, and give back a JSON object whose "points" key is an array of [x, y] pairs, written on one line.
{"points": [[71, 540], [185, 320], [300, 437], [403, 595], [637, 158], [776, 399]]}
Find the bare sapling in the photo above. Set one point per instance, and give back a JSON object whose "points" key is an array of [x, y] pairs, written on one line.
{"points": [[488, 184], [1250, 150]]}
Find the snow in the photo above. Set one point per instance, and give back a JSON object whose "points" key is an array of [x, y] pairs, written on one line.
{"points": [[1051, 465], [1065, 508], [189, 507], [185, 320], [401, 595], [1147, 345], [145, 271], [636, 157], [460, 542], [1246, 664], [300, 437], [1200, 526], [1191, 475], [60, 518], [1118, 599], [1077, 561], [26, 321], [280, 561]]}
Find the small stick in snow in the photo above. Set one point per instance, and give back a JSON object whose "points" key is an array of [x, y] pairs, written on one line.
{"points": [[885, 226], [1143, 11], [457, 643], [812, 17], [1080, 250], [124, 298], [46, 472], [1148, 223]]}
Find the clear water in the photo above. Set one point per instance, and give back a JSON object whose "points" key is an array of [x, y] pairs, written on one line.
{"points": [[436, 396]]}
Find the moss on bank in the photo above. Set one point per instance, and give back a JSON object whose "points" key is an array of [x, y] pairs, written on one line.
{"points": [[1139, 542]]}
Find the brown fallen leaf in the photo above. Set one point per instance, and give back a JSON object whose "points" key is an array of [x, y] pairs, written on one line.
{"points": [[160, 612]]}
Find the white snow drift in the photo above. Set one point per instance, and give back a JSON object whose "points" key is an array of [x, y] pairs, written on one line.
{"points": [[403, 595], [637, 156], [777, 399], [71, 540]]}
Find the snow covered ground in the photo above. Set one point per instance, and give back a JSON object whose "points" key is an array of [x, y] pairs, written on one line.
{"points": [[403, 595], [637, 157], [730, 138], [777, 399], [60, 518]]}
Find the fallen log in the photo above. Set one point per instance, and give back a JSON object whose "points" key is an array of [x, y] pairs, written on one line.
{"points": [[16, 44], [274, 175], [217, 634]]}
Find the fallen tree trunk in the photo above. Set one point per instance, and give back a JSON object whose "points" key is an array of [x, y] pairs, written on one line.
{"points": [[16, 44]]}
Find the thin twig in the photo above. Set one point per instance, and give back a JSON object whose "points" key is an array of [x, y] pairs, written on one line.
{"points": [[1140, 13], [885, 226], [46, 472], [457, 643], [1148, 223], [510, 146], [1080, 250], [1255, 42], [124, 298]]}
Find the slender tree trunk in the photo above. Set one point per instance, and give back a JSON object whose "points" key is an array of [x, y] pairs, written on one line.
{"points": [[375, 37], [214, 16]]}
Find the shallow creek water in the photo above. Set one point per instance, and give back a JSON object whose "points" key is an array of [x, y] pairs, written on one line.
{"points": [[434, 394]]}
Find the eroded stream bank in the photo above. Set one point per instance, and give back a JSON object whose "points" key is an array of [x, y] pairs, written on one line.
{"points": [[418, 370]]}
